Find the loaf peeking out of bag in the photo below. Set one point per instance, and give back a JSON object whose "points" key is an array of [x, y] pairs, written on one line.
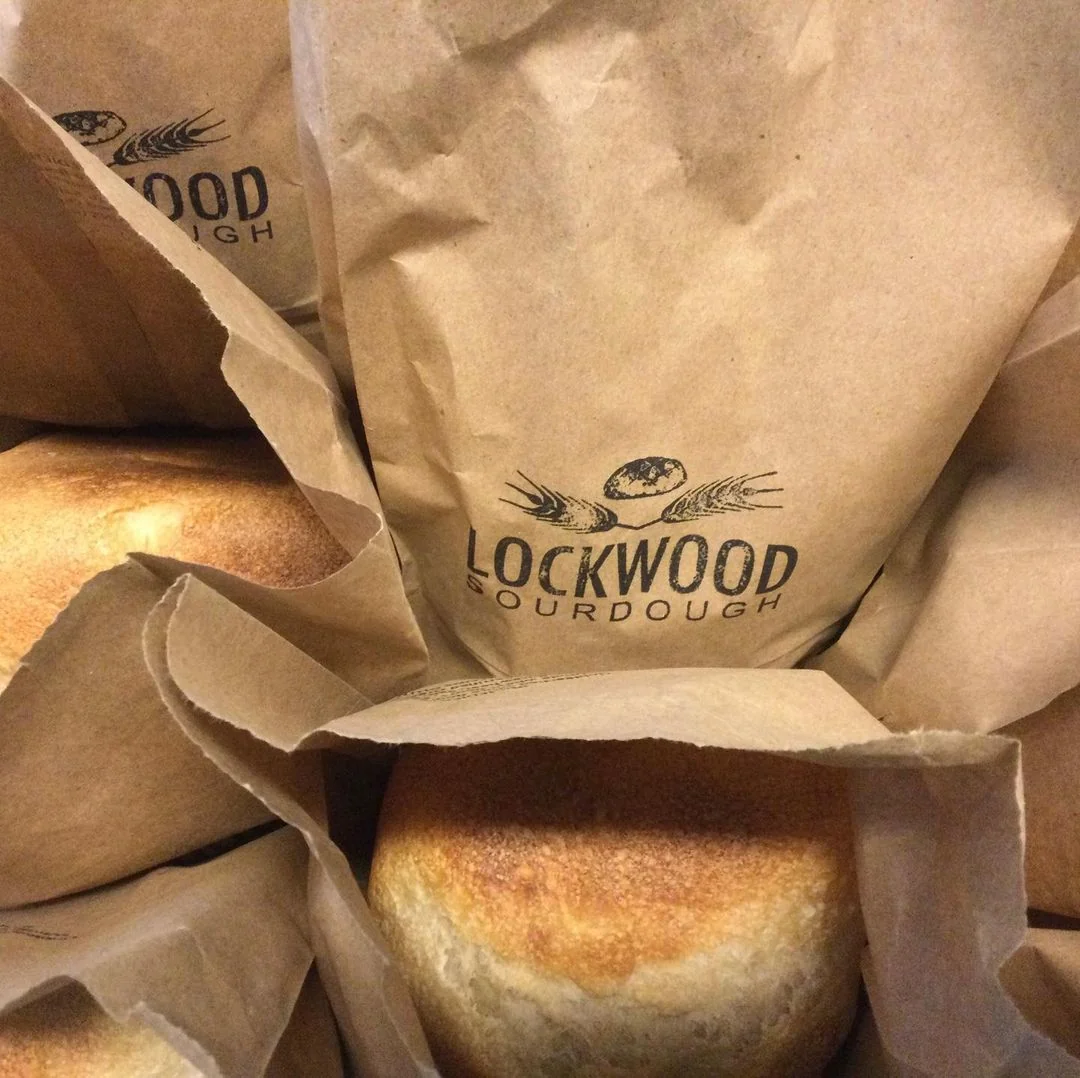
{"points": [[113, 319], [665, 318], [628, 908], [74, 504], [66, 1033], [192, 970], [192, 108]]}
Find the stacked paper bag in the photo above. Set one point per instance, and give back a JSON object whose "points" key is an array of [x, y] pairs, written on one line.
{"points": [[972, 625], [192, 111], [664, 320], [212, 959], [113, 318], [754, 325]]}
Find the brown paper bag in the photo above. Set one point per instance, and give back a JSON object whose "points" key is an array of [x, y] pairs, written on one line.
{"points": [[937, 814], [665, 318], [1043, 976], [975, 620], [214, 959], [1050, 741], [193, 109], [98, 782], [88, 748], [148, 328], [973, 623]]}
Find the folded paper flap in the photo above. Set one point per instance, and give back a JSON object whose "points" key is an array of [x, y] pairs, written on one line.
{"points": [[111, 328], [294, 400], [351, 622], [212, 957], [734, 708], [282, 697], [941, 885], [970, 623], [791, 710], [937, 823], [125, 771], [355, 967], [764, 710]]}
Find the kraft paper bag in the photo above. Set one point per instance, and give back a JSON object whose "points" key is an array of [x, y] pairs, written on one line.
{"points": [[98, 781], [192, 107], [938, 817], [140, 326], [1050, 741], [665, 317], [169, 335], [214, 959], [1043, 976], [974, 622]]}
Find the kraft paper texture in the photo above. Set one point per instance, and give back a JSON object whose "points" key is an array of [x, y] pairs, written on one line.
{"points": [[974, 622], [214, 958], [938, 817], [111, 317], [665, 318], [190, 106]]}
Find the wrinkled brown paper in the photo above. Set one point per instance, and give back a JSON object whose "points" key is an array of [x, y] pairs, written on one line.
{"points": [[169, 334], [1044, 979], [975, 620], [665, 318], [974, 623], [190, 106], [938, 817], [215, 959]]}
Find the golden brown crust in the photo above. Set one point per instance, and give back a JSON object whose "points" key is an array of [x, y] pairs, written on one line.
{"points": [[587, 859], [74, 504], [66, 1035], [620, 909]]}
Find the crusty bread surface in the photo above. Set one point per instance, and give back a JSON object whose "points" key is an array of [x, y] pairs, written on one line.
{"points": [[607, 910], [73, 504], [67, 1035]]}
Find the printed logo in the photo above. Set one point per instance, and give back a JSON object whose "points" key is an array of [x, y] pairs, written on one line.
{"points": [[91, 127], [682, 570], [212, 207], [646, 477], [94, 128]]}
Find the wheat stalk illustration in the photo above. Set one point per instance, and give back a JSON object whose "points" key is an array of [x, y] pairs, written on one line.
{"points": [[168, 140], [731, 495], [562, 510], [735, 494]]}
